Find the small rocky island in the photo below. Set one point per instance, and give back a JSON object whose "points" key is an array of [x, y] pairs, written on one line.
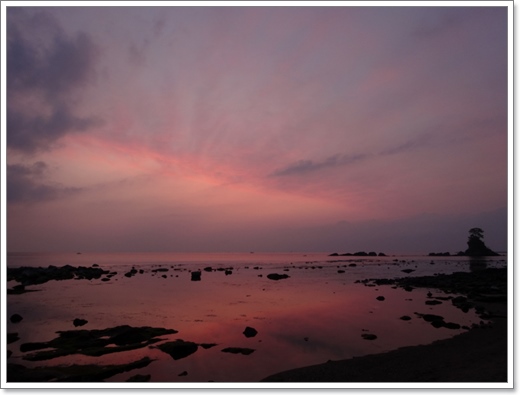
{"points": [[476, 246]]}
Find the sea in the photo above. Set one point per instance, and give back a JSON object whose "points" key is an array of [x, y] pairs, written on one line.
{"points": [[319, 311]]}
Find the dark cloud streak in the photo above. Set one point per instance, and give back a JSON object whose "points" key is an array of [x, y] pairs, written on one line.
{"points": [[308, 166]]}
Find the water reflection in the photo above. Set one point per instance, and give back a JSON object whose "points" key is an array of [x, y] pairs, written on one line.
{"points": [[477, 263], [309, 318]]}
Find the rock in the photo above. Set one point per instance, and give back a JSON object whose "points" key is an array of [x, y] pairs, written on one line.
{"points": [[250, 332], [139, 378], [185, 373], [451, 325], [405, 318], [430, 317], [368, 336], [95, 342], [334, 254], [432, 302], [16, 318], [12, 337], [9, 353], [208, 269], [79, 322], [238, 350], [228, 272], [408, 270], [178, 349], [341, 271], [196, 276], [205, 346], [276, 276], [352, 265], [381, 298]]}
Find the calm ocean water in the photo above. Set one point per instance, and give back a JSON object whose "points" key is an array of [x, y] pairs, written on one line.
{"points": [[318, 313]]}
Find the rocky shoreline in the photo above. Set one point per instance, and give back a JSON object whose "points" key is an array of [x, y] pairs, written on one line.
{"points": [[478, 355]]}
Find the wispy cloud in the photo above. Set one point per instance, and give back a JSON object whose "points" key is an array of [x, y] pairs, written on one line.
{"points": [[307, 166]]}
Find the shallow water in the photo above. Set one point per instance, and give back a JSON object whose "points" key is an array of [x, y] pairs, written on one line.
{"points": [[315, 315]]}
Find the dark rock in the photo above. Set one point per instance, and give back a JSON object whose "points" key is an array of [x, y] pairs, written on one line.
{"points": [[208, 269], [9, 353], [79, 322], [196, 276], [161, 269], [139, 378], [185, 373], [178, 349], [16, 318], [430, 317], [276, 276], [352, 265], [432, 302], [12, 337], [368, 336], [71, 373], [250, 332], [405, 318], [341, 271], [205, 346], [334, 254], [476, 247], [95, 342], [228, 272], [381, 298], [381, 254], [451, 325], [408, 270], [238, 350], [38, 275]]}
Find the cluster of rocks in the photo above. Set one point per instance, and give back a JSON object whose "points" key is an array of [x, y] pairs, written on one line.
{"points": [[359, 253], [39, 275]]}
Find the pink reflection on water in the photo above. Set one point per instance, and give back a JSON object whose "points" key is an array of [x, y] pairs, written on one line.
{"points": [[309, 318]]}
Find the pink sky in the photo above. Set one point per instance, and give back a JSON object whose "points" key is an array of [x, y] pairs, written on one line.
{"points": [[256, 128]]}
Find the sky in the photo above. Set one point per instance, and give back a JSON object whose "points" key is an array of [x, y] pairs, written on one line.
{"points": [[298, 128]]}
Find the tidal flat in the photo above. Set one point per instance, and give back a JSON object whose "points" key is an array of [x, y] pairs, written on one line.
{"points": [[237, 320]]}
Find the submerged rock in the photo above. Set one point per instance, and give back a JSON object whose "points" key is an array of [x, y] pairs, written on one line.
{"points": [[196, 276], [369, 336]]}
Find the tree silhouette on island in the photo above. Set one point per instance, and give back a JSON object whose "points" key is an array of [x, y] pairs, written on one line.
{"points": [[476, 246]]}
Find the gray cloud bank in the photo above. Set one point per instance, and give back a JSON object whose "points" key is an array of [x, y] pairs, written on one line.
{"points": [[26, 184], [45, 71]]}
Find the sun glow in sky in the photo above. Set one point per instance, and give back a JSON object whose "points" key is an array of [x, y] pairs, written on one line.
{"points": [[242, 128]]}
